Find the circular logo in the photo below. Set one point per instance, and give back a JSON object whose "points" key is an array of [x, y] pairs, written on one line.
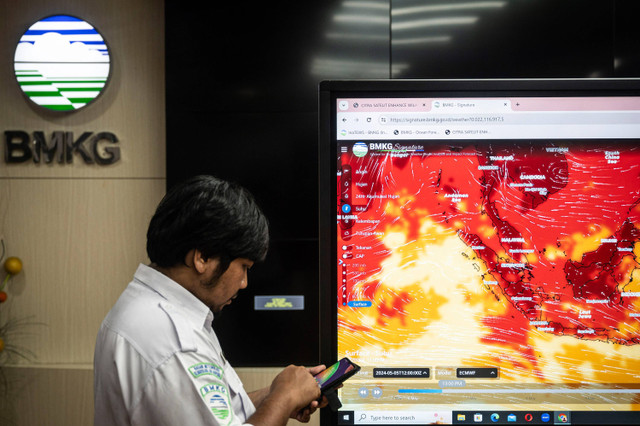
{"points": [[62, 63], [219, 406], [360, 149]]}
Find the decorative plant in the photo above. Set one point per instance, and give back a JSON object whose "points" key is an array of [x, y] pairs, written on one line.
{"points": [[11, 327], [12, 266]]}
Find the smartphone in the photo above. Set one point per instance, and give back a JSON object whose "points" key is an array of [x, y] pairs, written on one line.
{"points": [[333, 376]]}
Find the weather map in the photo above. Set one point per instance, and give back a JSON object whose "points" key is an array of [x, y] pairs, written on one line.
{"points": [[515, 257]]}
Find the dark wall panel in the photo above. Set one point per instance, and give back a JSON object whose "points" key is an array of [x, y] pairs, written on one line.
{"points": [[501, 39], [626, 38], [274, 156], [266, 57], [242, 105]]}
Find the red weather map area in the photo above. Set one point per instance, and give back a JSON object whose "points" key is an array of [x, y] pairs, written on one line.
{"points": [[522, 256]]}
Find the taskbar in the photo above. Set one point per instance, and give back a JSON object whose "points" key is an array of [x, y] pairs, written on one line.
{"points": [[418, 417], [600, 418]]}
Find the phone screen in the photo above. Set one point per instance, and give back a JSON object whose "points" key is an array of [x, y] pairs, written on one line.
{"points": [[336, 373]]}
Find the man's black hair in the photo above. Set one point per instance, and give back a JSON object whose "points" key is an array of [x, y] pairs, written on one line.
{"points": [[219, 218]]}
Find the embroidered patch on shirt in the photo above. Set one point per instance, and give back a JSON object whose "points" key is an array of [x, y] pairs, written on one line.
{"points": [[206, 369], [217, 397]]}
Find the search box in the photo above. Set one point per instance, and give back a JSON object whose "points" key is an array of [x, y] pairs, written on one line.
{"points": [[402, 417]]}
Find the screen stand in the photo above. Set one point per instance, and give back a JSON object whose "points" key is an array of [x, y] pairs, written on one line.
{"points": [[334, 401]]}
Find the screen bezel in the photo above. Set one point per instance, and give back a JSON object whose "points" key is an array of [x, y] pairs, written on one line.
{"points": [[329, 91]]}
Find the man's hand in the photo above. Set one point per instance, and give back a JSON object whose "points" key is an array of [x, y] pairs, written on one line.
{"points": [[297, 385], [304, 415], [293, 391]]}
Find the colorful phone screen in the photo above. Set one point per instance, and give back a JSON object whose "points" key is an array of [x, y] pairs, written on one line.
{"points": [[334, 373]]}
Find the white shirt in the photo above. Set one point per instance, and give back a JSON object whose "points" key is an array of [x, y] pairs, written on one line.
{"points": [[158, 361]]}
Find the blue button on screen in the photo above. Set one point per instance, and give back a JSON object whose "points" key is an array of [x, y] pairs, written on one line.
{"points": [[359, 304]]}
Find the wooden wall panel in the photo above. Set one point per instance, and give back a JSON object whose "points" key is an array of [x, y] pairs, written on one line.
{"points": [[79, 229], [80, 241], [48, 396]]}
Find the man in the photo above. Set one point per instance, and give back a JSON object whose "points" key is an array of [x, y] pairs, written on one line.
{"points": [[157, 360]]}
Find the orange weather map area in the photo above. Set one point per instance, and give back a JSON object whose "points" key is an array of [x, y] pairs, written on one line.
{"points": [[523, 256]]}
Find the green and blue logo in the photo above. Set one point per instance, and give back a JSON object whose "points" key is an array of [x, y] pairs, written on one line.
{"points": [[217, 396], [62, 63]]}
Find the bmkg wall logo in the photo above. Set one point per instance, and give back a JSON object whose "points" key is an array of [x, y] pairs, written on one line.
{"points": [[62, 63]]}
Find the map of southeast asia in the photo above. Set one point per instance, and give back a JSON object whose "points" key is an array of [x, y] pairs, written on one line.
{"points": [[518, 255]]}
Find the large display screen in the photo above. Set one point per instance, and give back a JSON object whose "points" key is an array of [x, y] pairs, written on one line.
{"points": [[480, 250]]}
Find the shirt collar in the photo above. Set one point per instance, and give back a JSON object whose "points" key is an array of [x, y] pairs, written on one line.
{"points": [[174, 293]]}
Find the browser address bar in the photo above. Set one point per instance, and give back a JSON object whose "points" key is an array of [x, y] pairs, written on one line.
{"points": [[527, 118], [406, 119]]}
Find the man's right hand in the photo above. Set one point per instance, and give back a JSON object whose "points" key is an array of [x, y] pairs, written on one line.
{"points": [[298, 385], [292, 390]]}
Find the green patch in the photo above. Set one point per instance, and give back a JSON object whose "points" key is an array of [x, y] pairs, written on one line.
{"points": [[206, 369]]}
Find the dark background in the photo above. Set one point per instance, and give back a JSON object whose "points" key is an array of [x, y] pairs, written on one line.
{"points": [[242, 105]]}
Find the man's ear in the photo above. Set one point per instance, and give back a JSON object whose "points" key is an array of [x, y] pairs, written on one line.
{"points": [[202, 265]]}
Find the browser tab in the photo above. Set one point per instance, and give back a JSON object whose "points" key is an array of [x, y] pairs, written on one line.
{"points": [[490, 118], [470, 105]]}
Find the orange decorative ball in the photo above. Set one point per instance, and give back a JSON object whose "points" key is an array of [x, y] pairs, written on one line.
{"points": [[3, 296]]}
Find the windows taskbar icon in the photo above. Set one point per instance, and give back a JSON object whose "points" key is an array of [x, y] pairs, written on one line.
{"points": [[512, 417]]}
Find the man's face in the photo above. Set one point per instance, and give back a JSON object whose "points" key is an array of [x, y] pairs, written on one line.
{"points": [[217, 293]]}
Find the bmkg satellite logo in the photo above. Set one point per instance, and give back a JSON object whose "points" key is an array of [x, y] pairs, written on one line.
{"points": [[62, 63]]}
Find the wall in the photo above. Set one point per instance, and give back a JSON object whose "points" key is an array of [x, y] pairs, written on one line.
{"points": [[79, 229]]}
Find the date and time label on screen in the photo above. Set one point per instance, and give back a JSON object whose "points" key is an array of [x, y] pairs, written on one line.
{"points": [[437, 372]]}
